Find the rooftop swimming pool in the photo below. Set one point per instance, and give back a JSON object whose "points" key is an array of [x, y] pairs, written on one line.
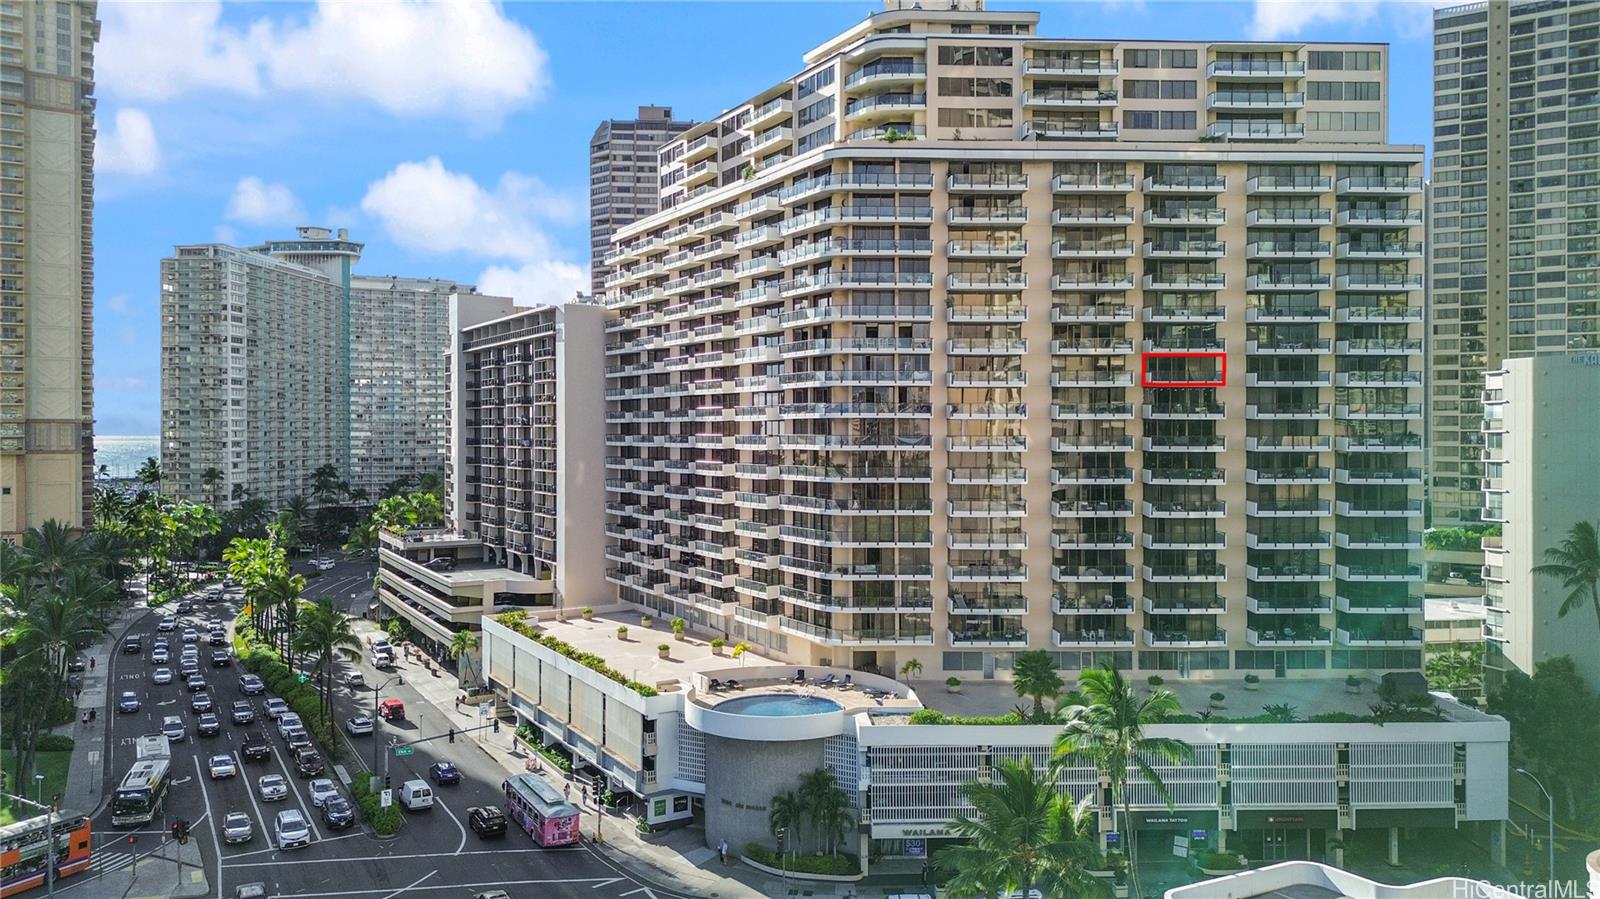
{"points": [[778, 705]]}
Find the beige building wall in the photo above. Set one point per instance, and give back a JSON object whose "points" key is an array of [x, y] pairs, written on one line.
{"points": [[46, 265]]}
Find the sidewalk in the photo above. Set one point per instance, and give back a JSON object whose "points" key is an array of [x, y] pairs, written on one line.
{"points": [[85, 789], [675, 859], [168, 871]]}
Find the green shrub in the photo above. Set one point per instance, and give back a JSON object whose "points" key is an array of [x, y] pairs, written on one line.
{"points": [[934, 716], [1219, 861], [1339, 718], [54, 743], [841, 864], [384, 821], [1154, 680], [586, 659]]}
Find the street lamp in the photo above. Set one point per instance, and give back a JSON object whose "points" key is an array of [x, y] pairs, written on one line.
{"points": [[1550, 807], [377, 743], [38, 792]]}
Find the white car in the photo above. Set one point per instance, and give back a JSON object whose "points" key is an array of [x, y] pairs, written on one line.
{"points": [[322, 564], [358, 726], [272, 787], [221, 765], [172, 728], [291, 829], [161, 676], [190, 635], [321, 790], [289, 721], [275, 707], [167, 624], [160, 656]]}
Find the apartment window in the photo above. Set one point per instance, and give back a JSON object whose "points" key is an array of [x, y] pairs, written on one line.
{"points": [[815, 139], [1342, 121], [975, 56], [1159, 59], [975, 87], [1158, 120], [975, 118], [813, 83], [816, 112], [1150, 89], [1345, 60], [1343, 90]]}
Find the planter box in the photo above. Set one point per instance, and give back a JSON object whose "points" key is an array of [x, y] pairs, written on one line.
{"points": [[824, 878]]}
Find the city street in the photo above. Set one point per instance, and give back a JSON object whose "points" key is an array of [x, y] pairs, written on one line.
{"points": [[434, 854]]}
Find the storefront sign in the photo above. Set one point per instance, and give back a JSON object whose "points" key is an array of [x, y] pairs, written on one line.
{"points": [[1182, 821], [1286, 819], [905, 832], [917, 848]]}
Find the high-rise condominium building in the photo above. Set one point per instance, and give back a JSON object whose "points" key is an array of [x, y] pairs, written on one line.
{"points": [[46, 263], [964, 341], [1514, 252], [277, 360], [525, 473], [624, 179], [1539, 437]]}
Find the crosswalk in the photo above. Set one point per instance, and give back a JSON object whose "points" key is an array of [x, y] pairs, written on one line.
{"points": [[105, 862]]}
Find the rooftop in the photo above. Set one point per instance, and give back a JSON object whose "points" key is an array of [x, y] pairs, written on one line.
{"points": [[1311, 880], [637, 656]]}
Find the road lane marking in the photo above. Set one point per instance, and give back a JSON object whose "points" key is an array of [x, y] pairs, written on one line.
{"points": [[413, 883], [293, 779], [463, 844], [215, 844], [414, 888], [385, 858]]}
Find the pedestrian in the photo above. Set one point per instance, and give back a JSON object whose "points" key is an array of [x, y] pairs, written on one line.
{"points": [[924, 873], [566, 791], [91, 663], [722, 850]]}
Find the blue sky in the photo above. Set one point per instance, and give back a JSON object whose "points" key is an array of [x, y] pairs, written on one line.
{"points": [[453, 138]]}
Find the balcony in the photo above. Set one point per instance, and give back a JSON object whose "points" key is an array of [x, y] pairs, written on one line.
{"points": [[1046, 64], [1286, 310], [1289, 636], [1093, 638], [1185, 313], [1186, 184], [1403, 475], [1301, 443], [1252, 130], [1192, 573], [985, 312], [1077, 411], [770, 112], [703, 147], [1409, 636], [987, 281], [985, 602], [1106, 475], [1092, 574], [1006, 573], [1287, 509], [1398, 249], [1098, 249], [1288, 574], [1379, 573], [1255, 100], [1091, 540], [889, 133], [1380, 411], [1283, 282], [986, 540], [986, 475], [1193, 475], [1052, 130], [1186, 215], [1405, 605], [1091, 509], [1381, 443], [1288, 605], [1286, 411], [1375, 346], [1181, 539], [983, 182], [1270, 69], [1380, 184], [1092, 346], [1091, 184], [1302, 217], [1289, 184], [1096, 441], [1062, 313], [887, 73], [1287, 249], [1093, 215], [1185, 249], [1288, 378], [1378, 508], [1288, 475], [1069, 99], [865, 108], [1184, 281], [1190, 509], [1091, 603], [989, 637], [1176, 639], [1183, 410], [1381, 218]]}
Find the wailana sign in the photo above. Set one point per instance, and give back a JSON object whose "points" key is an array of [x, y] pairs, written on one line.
{"points": [[905, 831]]}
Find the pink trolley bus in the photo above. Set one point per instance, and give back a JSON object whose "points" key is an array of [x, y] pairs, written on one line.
{"points": [[541, 810]]}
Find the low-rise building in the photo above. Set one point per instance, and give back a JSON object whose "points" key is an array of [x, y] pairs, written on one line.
{"points": [[1308, 880], [684, 726], [1452, 624]]}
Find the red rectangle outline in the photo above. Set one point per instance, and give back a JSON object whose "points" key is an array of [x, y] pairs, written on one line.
{"points": [[1144, 370]]}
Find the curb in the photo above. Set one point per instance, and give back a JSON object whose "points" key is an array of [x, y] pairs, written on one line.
{"points": [[105, 757]]}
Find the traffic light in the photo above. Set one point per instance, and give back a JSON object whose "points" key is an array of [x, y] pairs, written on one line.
{"points": [[177, 830], [386, 781], [452, 735], [497, 725]]}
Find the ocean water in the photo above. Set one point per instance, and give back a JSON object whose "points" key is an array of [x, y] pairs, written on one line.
{"points": [[122, 455]]}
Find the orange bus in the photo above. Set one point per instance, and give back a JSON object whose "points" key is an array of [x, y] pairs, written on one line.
{"points": [[24, 850]]}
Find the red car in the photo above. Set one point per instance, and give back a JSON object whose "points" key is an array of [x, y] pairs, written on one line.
{"points": [[392, 710]]}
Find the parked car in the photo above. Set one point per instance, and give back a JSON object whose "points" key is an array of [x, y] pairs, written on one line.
{"points": [[486, 821], [255, 746], [243, 712], [444, 773], [250, 685], [337, 813], [291, 829], [272, 787], [357, 726], [236, 828], [320, 790], [128, 702], [172, 728], [392, 709], [209, 725], [221, 765], [161, 676]]}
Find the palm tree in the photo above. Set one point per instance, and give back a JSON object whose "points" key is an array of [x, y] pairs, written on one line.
{"points": [[150, 473], [1034, 674], [462, 647], [326, 634], [211, 477], [1577, 563], [788, 815], [432, 482], [1024, 834], [50, 549], [1109, 729], [824, 805]]}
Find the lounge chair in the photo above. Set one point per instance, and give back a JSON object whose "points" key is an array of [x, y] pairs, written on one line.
{"points": [[826, 680], [731, 684], [799, 677], [846, 684], [714, 685]]}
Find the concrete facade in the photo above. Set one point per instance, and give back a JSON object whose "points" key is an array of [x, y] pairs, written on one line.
{"points": [[47, 113], [742, 777], [624, 177], [1536, 451], [964, 341]]}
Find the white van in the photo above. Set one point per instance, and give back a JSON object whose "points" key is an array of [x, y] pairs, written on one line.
{"points": [[416, 795]]}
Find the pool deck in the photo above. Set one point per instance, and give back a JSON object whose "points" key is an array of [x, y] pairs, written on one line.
{"points": [[855, 699]]}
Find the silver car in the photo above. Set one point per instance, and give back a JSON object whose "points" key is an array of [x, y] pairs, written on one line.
{"points": [[292, 830], [321, 790], [271, 787], [236, 828]]}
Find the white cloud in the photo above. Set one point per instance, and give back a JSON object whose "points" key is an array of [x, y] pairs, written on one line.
{"points": [[1275, 19], [258, 202], [117, 303], [463, 59], [225, 234], [546, 281], [129, 147], [425, 206]]}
